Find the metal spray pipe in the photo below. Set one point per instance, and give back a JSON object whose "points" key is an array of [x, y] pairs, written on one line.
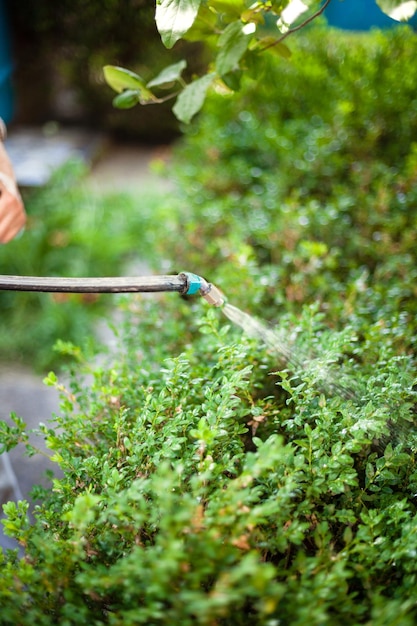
{"points": [[185, 283]]}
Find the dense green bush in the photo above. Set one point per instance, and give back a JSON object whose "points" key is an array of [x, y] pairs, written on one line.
{"points": [[208, 478], [198, 489]]}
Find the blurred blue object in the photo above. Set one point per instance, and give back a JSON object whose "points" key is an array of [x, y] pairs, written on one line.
{"points": [[6, 66], [358, 15]]}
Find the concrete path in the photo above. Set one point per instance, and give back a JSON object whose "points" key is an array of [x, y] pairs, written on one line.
{"points": [[23, 393], [129, 168]]}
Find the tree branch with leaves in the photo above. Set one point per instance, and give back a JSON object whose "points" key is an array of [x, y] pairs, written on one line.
{"points": [[239, 34]]}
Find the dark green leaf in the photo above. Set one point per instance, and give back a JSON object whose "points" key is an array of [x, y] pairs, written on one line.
{"points": [[233, 80]]}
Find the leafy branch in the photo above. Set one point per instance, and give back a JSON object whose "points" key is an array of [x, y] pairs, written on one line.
{"points": [[299, 27], [238, 32]]}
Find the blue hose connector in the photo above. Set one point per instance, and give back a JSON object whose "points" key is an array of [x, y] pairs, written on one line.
{"points": [[195, 284]]}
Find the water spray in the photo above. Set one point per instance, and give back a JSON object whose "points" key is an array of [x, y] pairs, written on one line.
{"points": [[185, 283]]}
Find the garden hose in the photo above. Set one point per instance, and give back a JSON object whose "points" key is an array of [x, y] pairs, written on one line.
{"points": [[184, 283]]}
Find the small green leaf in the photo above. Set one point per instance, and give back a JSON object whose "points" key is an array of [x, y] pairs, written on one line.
{"points": [[119, 79], [348, 535], [174, 18], [168, 75], [126, 82], [50, 380], [10, 436], [233, 44], [127, 99], [399, 11], [190, 101]]}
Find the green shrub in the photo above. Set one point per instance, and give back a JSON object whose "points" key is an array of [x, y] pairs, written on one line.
{"points": [[199, 489], [207, 478]]}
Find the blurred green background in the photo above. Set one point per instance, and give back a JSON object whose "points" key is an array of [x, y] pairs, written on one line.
{"points": [[299, 189]]}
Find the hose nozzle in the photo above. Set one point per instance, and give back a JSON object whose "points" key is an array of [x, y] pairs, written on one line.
{"points": [[212, 294], [209, 292]]}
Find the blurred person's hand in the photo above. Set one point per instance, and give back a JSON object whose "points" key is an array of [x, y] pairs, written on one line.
{"points": [[12, 211]]}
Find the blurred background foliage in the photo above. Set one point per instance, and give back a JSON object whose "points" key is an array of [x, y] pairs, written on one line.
{"points": [[61, 48], [301, 190]]}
